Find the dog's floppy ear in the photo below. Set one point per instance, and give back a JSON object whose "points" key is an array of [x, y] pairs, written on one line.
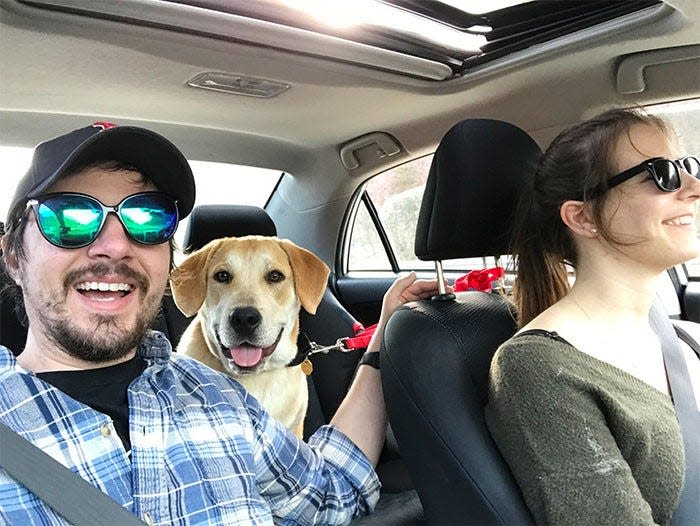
{"points": [[310, 275], [188, 280]]}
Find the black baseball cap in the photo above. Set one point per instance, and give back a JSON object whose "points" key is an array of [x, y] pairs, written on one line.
{"points": [[150, 153]]}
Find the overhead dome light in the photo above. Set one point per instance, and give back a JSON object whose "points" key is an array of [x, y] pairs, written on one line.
{"points": [[238, 84]]}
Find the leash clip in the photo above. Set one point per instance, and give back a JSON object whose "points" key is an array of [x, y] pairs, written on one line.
{"points": [[325, 349]]}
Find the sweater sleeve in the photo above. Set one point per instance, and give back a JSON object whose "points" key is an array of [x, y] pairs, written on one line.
{"points": [[554, 437]]}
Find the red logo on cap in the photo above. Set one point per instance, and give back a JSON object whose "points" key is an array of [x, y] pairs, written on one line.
{"points": [[104, 125]]}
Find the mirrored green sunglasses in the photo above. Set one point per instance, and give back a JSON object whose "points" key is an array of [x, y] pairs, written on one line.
{"points": [[73, 220]]}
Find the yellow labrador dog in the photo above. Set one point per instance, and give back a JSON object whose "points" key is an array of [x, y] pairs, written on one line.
{"points": [[247, 293]]}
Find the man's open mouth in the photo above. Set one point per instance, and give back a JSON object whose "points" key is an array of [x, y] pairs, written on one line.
{"points": [[103, 290]]}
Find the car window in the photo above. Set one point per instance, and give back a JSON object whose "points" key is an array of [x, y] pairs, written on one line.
{"points": [[217, 183], [384, 226], [222, 183]]}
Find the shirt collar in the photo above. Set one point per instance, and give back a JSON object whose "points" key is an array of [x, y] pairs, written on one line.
{"points": [[155, 346]]}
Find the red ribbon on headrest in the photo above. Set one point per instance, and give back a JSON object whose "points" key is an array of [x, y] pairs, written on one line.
{"points": [[478, 279], [104, 125]]}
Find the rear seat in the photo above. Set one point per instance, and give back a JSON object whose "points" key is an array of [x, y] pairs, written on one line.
{"points": [[333, 372]]}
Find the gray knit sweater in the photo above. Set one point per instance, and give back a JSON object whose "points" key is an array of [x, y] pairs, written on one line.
{"points": [[587, 442]]}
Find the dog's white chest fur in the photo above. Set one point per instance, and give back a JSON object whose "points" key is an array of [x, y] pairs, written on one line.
{"points": [[282, 392]]}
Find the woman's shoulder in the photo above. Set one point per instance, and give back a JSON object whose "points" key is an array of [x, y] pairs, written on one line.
{"points": [[539, 345]]}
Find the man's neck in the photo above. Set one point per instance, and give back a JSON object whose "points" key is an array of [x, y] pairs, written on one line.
{"points": [[40, 356]]}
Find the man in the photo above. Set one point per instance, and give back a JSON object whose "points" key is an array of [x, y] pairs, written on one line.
{"points": [[172, 441]]}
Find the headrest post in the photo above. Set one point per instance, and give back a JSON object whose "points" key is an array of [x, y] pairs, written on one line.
{"points": [[442, 294], [440, 277], [500, 284]]}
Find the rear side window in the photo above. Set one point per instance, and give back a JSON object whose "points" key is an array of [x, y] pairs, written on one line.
{"points": [[383, 227]]}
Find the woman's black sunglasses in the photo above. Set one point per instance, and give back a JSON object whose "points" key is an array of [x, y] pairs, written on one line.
{"points": [[665, 173]]}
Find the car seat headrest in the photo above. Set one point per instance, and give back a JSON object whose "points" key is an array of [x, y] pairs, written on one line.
{"points": [[209, 222], [472, 190]]}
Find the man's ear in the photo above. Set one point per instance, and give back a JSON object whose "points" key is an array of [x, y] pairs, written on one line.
{"points": [[11, 261], [577, 216]]}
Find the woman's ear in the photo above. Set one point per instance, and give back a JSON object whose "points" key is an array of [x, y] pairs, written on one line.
{"points": [[577, 216]]}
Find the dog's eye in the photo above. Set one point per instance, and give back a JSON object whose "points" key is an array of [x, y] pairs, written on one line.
{"points": [[222, 276], [275, 276]]}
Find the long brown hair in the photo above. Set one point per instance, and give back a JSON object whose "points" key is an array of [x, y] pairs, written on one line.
{"points": [[579, 160]]}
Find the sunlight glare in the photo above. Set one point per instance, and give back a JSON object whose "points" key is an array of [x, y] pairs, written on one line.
{"points": [[344, 15]]}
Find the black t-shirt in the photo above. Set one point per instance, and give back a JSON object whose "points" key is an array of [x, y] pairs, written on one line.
{"points": [[103, 389]]}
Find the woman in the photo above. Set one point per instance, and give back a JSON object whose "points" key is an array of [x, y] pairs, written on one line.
{"points": [[579, 402]]}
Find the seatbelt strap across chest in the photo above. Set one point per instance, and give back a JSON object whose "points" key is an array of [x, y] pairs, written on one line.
{"points": [[688, 510], [73, 498]]}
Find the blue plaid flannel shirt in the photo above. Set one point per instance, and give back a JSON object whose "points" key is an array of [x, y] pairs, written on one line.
{"points": [[203, 451]]}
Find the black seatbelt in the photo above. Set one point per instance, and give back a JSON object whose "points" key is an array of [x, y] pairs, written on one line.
{"points": [[73, 498], [688, 510]]}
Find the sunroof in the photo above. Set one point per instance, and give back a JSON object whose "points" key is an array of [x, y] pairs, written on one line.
{"points": [[428, 39], [461, 34], [510, 26]]}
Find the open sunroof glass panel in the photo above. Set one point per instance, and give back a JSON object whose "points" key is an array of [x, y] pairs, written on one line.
{"points": [[521, 26]]}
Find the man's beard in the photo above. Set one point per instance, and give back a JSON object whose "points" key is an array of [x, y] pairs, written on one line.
{"points": [[107, 342], [106, 339]]}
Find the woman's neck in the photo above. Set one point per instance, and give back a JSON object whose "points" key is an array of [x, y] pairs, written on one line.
{"points": [[614, 288]]}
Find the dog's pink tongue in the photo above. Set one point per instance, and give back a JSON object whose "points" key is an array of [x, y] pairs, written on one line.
{"points": [[246, 356]]}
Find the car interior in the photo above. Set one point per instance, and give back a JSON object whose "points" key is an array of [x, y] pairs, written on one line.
{"points": [[397, 133]]}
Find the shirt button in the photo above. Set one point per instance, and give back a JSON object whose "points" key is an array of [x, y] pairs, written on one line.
{"points": [[105, 430], [147, 519]]}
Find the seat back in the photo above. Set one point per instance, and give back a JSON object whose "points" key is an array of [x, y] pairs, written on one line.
{"points": [[209, 222], [437, 353]]}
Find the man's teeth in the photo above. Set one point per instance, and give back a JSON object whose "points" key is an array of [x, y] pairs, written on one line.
{"points": [[99, 285]]}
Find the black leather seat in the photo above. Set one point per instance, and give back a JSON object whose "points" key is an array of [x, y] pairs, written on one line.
{"points": [[436, 353]]}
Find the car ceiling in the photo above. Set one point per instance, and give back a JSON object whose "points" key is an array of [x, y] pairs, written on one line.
{"points": [[59, 70]]}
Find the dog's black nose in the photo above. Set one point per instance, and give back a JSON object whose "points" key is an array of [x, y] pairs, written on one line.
{"points": [[244, 320]]}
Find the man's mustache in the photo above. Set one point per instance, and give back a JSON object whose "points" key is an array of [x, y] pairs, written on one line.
{"points": [[98, 270]]}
